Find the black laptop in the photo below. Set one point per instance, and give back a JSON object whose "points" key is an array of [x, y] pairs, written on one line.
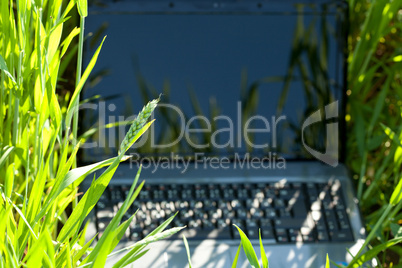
{"points": [[249, 130]]}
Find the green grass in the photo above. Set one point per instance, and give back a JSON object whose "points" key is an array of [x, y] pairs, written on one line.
{"points": [[374, 119], [43, 221]]}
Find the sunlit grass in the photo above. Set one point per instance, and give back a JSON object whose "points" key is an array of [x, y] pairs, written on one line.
{"points": [[39, 144]]}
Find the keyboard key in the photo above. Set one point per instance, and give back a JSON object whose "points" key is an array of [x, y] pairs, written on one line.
{"points": [[228, 214], [256, 213], [241, 213], [222, 204], [236, 203], [252, 203], [200, 194], [222, 223], [200, 214], [179, 205], [284, 213], [338, 203], [279, 203], [228, 194], [214, 194], [266, 224], [116, 195], [136, 235], [187, 194], [243, 194], [144, 195], [298, 208], [270, 213], [209, 204], [215, 214], [196, 224], [186, 214], [289, 223], [157, 214], [341, 215], [294, 235], [322, 236], [309, 238], [257, 194], [178, 222], [341, 235], [141, 215], [158, 195], [320, 225], [251, 223], [150, 205], [270, 193], [332, 225], [252, 233], [172, 195], [209, 224], [267, 203], [344, 225], [281, 235], [267, 233]]}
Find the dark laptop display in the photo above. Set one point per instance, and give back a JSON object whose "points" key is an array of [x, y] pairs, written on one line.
{"points": [[233, 78]]}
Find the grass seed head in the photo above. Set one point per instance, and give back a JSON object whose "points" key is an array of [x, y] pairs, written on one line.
{"points": [[138, 123]]}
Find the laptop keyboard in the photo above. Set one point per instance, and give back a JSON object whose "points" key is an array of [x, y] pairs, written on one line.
{"points": [[285, 212]]}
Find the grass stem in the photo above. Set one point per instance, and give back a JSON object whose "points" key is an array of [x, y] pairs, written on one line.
{"points": [[77, 80]]}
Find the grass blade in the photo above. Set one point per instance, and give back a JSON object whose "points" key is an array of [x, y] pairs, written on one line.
{"points": [[83, 250], [82, 6], [134, 257], [187, 250], [396, 196], [23, 218], [234, 264], [100, 259], [3, 67], [327, 262], [127, 259], [78, 174], [248, 249], [370, 254], [116, 219], [5, 153], [157, 230], [265, 263], [75, 97]]}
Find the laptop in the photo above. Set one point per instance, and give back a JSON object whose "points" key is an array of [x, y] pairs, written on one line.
{"points": [[249, 129]]}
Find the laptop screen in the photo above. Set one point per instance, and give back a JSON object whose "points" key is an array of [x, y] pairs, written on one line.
{"points": [[234, 79]]}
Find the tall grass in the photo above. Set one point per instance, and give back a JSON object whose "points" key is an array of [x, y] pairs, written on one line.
{"points": [[374, 118], [39, 143]]}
